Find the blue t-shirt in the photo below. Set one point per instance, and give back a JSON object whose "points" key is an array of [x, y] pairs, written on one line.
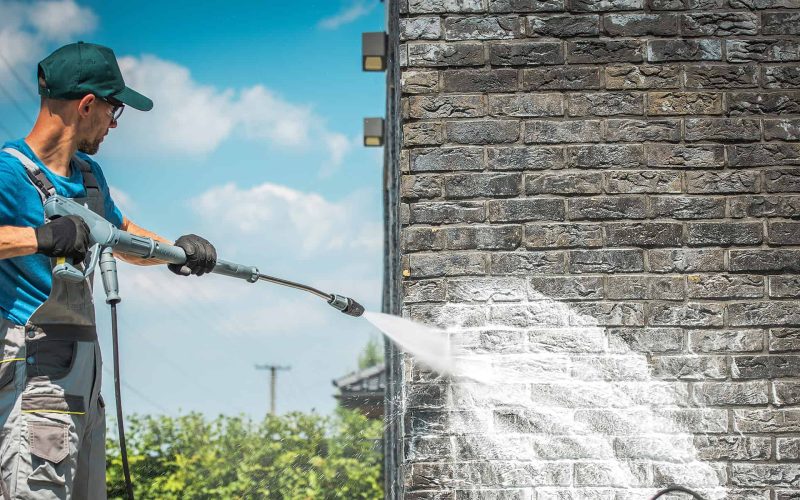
{"points": [[25, 281]]}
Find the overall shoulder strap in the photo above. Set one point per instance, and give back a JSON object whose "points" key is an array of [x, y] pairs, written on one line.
{"points": [[35, 174], [89, 179]]}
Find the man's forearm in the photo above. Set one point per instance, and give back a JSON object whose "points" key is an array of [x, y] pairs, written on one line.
{"points": [[128, 225], [16, 241]]}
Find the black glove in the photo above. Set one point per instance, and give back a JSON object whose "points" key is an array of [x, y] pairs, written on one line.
{"points": [[66, 236], [201, 256]]}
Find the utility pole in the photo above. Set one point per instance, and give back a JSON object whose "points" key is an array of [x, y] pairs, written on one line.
{"points": [[273, 375]]}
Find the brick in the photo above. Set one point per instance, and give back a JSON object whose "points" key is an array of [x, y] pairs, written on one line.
{"points": [[666, 4], [419, 82], [420, 28], [764, 314], [605, 261], [690, 368], [525, 158], [723, 182], [724, 233], [607, 314], [643, 181], [650, 234], [685, 261], [732, 448], [780, 23], [648, 340], [528, 262], [605, 104], [416, 239], [494, 237], [441, 6], [628, 76], [552, 132], [743, 4], [784, 287], [786, 393], [687, 207], [602, 474], [764, 367], [683, 50], [605, 5], [449, 264], [484, 289], [782, 77], [787, 261], [526, 105], [787, 448], [605, 156], [525, 209], [685, 314], [446, 54], [422, 134], [784, 339], [526, 6], [782, 420], [414, 187], [706, 76], [641, 24], [763, 155], [607, 207], [564, 183], [722, 129], [485, 185], [603, 51], [782, 180], [725, 286], [785, 475], [786, 129], [659, 449], [425, 396], [562, 235], [719, 24], [447, 212], [446, 159], [497, 80], [671, 473], [561, 78], [423, 291], [569, 287], [525, 53], [644, 288], [684, 103], [685, 155], [765, 206], [524, 315], [563, 26], [763, 103], [783, 233], [722, 341], [482, 131], [450, 106], [482, 28], [643, 130], [731, 393], [762, 50]]}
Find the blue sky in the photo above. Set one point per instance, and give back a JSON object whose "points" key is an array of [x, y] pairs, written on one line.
{"points": [[254, 143]]}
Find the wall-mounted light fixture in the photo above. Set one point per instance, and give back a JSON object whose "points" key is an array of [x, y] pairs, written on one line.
{"points": [[373, 51], [373, 132]]}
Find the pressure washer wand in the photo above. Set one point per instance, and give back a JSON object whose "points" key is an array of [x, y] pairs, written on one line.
{"points": [[104, 234]]}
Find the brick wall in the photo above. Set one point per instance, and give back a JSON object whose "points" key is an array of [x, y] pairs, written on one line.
{"points": [[615, 152]]}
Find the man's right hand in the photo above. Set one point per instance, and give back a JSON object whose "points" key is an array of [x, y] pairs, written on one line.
{"points": [[66, 236]]}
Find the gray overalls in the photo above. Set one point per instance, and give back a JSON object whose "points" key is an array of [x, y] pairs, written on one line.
{"points": [[52, 442]]}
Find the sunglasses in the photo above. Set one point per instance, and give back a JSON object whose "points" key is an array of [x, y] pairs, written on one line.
{"points": [[116, 107]]}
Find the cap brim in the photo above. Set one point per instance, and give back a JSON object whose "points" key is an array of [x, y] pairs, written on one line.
{"points": [[130, 97]]}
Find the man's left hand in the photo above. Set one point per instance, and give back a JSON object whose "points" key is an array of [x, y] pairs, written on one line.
{"points": [[201, 256]]}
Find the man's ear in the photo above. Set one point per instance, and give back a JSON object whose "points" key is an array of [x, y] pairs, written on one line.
{"points": [[85, 105]]}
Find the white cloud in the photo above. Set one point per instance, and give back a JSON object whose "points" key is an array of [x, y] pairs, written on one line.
{"points": [[348, 14], [191, 118], [61, 20]]}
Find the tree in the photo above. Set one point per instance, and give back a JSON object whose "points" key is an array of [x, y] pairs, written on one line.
{"points": [[295, 456], [371, 355]]}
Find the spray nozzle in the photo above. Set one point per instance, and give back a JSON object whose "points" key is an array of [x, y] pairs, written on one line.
{"points": [[346, 305]]}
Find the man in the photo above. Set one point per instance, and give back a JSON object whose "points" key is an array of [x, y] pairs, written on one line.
{"points": [[52, 442]]}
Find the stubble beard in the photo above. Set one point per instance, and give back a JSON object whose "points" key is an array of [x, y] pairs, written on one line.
{"points": [[89, 147]]}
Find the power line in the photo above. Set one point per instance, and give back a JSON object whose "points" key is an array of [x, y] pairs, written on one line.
{"points": [[19, 78], [6, 131], [137, 392]]}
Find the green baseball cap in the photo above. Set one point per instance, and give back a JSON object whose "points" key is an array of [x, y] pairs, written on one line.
{"points": [[78, 69]]}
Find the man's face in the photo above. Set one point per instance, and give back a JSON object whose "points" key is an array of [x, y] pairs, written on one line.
{"points": [[99, 121]]}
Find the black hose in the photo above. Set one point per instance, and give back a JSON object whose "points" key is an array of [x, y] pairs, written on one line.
{"points": [[118, 396], [679, 489]]}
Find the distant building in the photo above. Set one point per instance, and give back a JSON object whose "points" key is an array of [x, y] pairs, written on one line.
{"points": [[363, 390]]}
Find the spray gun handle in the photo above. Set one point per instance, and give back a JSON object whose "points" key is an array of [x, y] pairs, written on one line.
{"points": [[65, 268]]}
